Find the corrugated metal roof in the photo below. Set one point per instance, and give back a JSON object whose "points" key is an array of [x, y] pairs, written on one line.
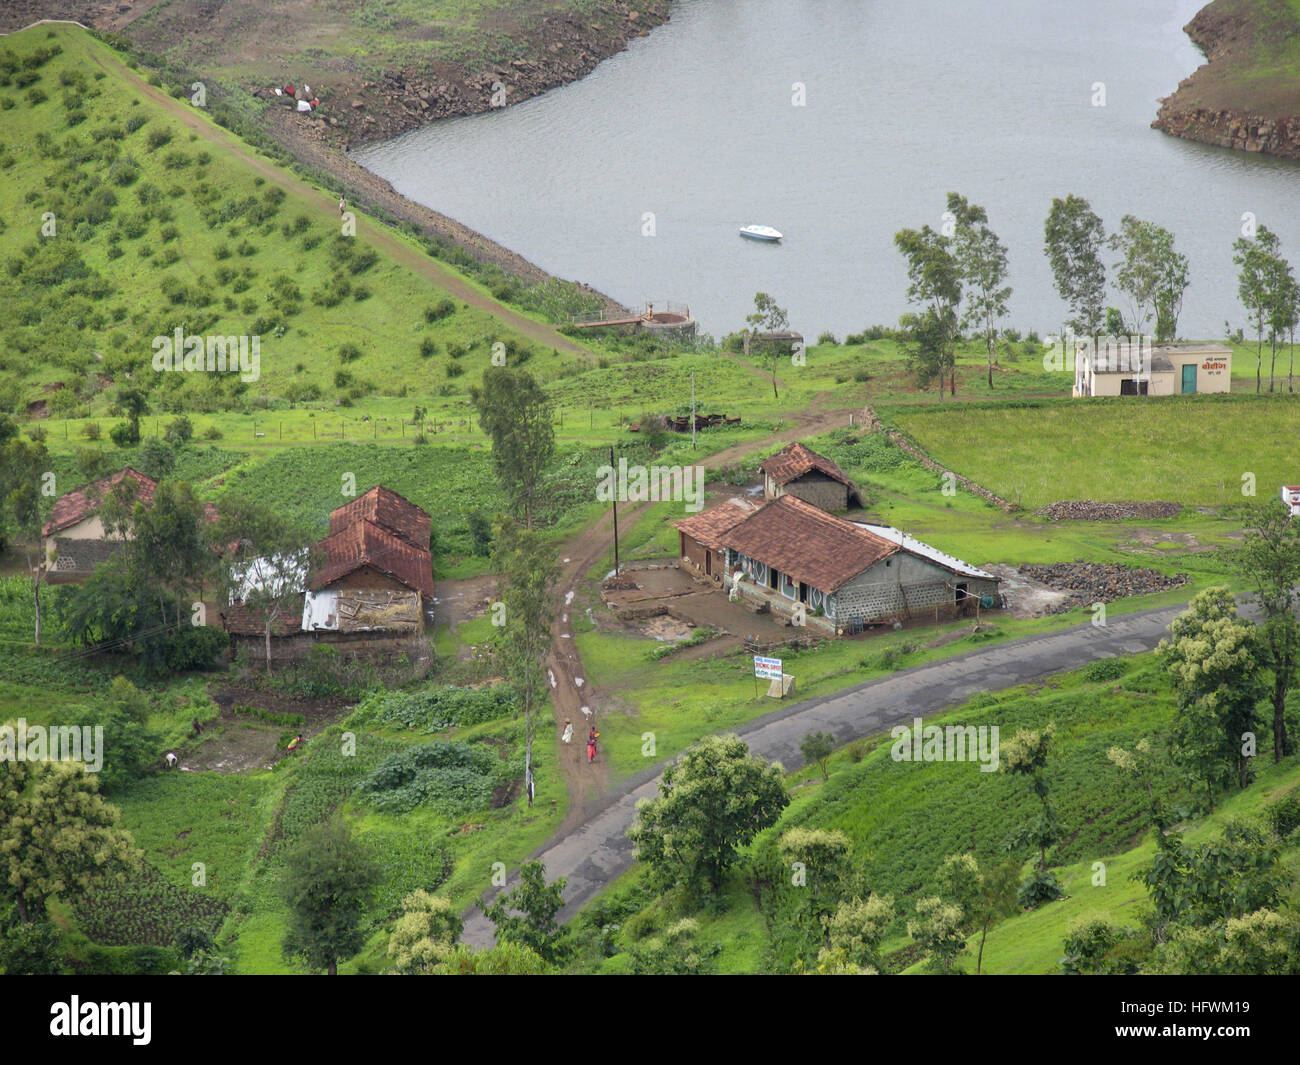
{"points": [[914, 546]]}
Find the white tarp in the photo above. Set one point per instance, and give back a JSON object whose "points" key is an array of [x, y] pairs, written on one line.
{"points": [[320, 610], [273, 573], [303, 105]]}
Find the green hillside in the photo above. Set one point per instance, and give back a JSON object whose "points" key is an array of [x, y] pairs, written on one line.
{"points": [[128, 214]]}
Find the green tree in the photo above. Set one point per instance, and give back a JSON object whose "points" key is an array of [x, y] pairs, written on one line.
{"points": [[170, 548], [426, 933], [328, 881], [1212, 661], [275, 559], [532, 924], [128, 747], [767, 318], [1261, 943], [25, 503], [528, 572], [30, 950], [1269, 559], [1151, 273], [675, 952], [1073, 237], [1026, 755], [515, 411], [996, 897], [1257, 259], [854, 933], [57, 836], [1283, 297], [715, 799], [1097, 948], [935, 285], [982, 260], [816, 749], [939, 930], [818, 861]]}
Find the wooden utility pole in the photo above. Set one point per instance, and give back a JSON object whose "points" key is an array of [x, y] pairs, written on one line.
{"points": [[613, 502]]}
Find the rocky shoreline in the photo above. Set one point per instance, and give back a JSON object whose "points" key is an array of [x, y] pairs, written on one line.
{"points": [[1220, 31]]}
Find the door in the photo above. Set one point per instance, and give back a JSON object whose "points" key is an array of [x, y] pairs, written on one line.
{"points": [[1189, 379]]}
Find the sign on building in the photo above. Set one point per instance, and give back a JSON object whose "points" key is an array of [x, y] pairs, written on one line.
{"points": [[767, 668]]}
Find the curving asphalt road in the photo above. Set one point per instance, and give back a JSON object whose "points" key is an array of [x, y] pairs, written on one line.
{"points": [[592, 854]]}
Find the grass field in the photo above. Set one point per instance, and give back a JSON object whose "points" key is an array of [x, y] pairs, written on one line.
{"points": [[1194, 450]]}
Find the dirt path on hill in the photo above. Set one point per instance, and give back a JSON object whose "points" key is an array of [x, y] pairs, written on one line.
{"points": [[325, 208], [571, 690]]}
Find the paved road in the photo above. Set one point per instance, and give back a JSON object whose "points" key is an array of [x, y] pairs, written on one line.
{"points": [[592, 854]]}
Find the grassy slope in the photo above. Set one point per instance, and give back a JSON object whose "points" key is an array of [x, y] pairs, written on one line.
{"points": [[1258, 74], [1193, 450], [904, 818], [196, 184]]}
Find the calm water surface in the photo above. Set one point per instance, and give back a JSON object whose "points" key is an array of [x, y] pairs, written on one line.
{"points": [[906, 100]]}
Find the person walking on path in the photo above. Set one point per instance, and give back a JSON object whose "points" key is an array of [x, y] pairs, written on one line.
{"points": [[568, 731]]}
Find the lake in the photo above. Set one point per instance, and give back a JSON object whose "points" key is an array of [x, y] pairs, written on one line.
{"points": [[697, 125]]}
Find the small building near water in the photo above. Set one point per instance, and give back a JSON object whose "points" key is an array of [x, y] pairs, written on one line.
{"points": [[1138, 369]]}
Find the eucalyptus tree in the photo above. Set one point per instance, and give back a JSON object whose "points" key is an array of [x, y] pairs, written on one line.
{"points": [[1073, 238], [982, 260]]}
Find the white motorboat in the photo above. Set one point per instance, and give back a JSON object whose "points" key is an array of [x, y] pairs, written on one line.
{"points": [[760, 233]]}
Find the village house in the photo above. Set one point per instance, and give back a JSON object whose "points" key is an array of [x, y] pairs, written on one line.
{"points": [[835, 576], [699, 537], [799, 471], [1128, 369], [365, 592], [74, 537]]}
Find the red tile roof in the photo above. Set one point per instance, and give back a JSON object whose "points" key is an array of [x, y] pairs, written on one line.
{"points": [[808, 544], [794, 460], [709, 527], [388, 510], [363, 543], [78, 505]]}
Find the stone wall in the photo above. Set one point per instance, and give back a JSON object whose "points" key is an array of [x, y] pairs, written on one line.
{"points": [[817, 489]]}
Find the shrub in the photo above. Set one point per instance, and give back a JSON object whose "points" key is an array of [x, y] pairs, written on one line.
{"points": [[1105, 669], [827, 338], [135, 122], [91, 430], [444, 308], [452, 778], [1283, 816], [349, 353], [157, 138]]}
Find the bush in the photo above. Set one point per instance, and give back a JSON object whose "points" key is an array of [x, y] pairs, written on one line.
{"points": [[135, 122], [349, 353], [444, 308], [436, 710], [452, 778], [826, 338], [91, 430], [1283, 816], [179, 430], [1105, 669], [157, 138]]}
